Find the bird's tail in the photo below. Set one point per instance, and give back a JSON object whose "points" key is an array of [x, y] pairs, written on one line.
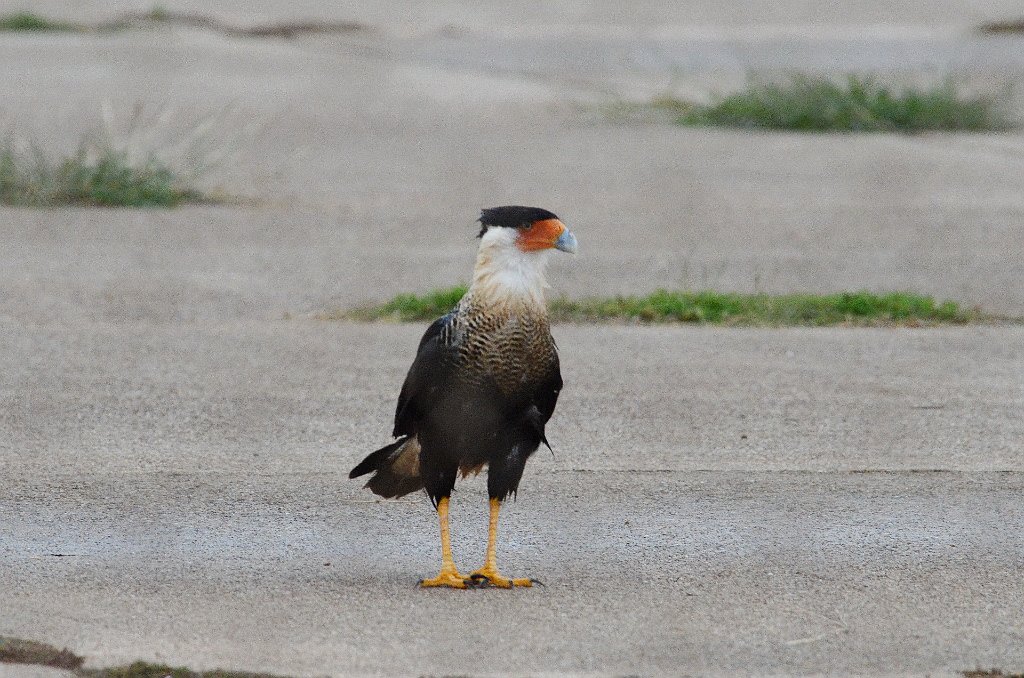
{"points": [[397, 468]]}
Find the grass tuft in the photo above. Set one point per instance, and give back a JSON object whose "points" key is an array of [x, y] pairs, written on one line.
{"points": [[149, 158], [100, 177], [818, 104], [717, 308], [407, 307], [846, 308], [27, 21]]}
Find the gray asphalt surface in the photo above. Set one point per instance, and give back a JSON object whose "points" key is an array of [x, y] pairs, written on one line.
{"points": [[176, 428]]}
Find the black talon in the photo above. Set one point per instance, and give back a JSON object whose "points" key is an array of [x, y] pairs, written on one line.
{"points": [[538, 582]]}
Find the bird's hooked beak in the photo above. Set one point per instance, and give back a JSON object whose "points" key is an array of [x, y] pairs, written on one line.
{"points": [[566, 242]]}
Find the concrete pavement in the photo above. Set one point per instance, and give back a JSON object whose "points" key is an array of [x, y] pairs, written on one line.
{"points": [[719, 501], [369, 154], [301, 395], [429, 14], [652, 574]]}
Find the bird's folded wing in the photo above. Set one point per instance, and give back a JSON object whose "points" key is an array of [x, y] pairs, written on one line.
{"points": [[429, 375]]}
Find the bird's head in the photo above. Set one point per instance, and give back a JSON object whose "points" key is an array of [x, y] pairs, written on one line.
{"points": [[514, 244], [530, 229]]}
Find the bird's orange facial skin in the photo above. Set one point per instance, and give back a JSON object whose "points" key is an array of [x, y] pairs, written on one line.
{"points": [[541, 235]]}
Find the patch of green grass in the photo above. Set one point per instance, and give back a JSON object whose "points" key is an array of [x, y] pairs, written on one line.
{"points": [[99, 177], [847, 308], [27, 21], [860, 104], [718, 308], [407, 307]]}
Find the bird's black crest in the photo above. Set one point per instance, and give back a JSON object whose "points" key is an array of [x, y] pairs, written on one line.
{"points": [[511, 216]]}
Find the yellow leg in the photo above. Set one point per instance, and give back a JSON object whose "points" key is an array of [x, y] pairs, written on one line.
{"points": [[449, 575], [488, 574]]}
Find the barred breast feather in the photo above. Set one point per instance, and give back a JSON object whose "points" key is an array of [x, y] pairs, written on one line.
{"points": [[512, 347]]}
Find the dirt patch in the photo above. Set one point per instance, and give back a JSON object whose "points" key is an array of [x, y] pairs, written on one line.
{"points": [[1000, 27], [17, 651], [284, 29], [28, 21]]}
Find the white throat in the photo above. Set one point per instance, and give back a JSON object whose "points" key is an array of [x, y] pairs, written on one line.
{"points": [[506, 276]]}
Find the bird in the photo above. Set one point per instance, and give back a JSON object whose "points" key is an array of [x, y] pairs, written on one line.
{"points": [[482, 387]]}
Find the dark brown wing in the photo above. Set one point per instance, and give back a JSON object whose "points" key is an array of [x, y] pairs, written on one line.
{"points": [[428, 378]]}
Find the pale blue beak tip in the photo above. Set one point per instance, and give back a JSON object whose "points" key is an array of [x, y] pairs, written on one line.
{"points": [[566, 242]]}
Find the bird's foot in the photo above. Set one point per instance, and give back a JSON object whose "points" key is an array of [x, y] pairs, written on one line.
{"points": [[489, 576], [449, 577]]}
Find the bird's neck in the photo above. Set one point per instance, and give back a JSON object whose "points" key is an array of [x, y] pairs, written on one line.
{"points": [[506, 278]]}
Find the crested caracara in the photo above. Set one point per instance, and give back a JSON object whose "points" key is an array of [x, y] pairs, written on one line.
{"points": [[483, 385]]}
